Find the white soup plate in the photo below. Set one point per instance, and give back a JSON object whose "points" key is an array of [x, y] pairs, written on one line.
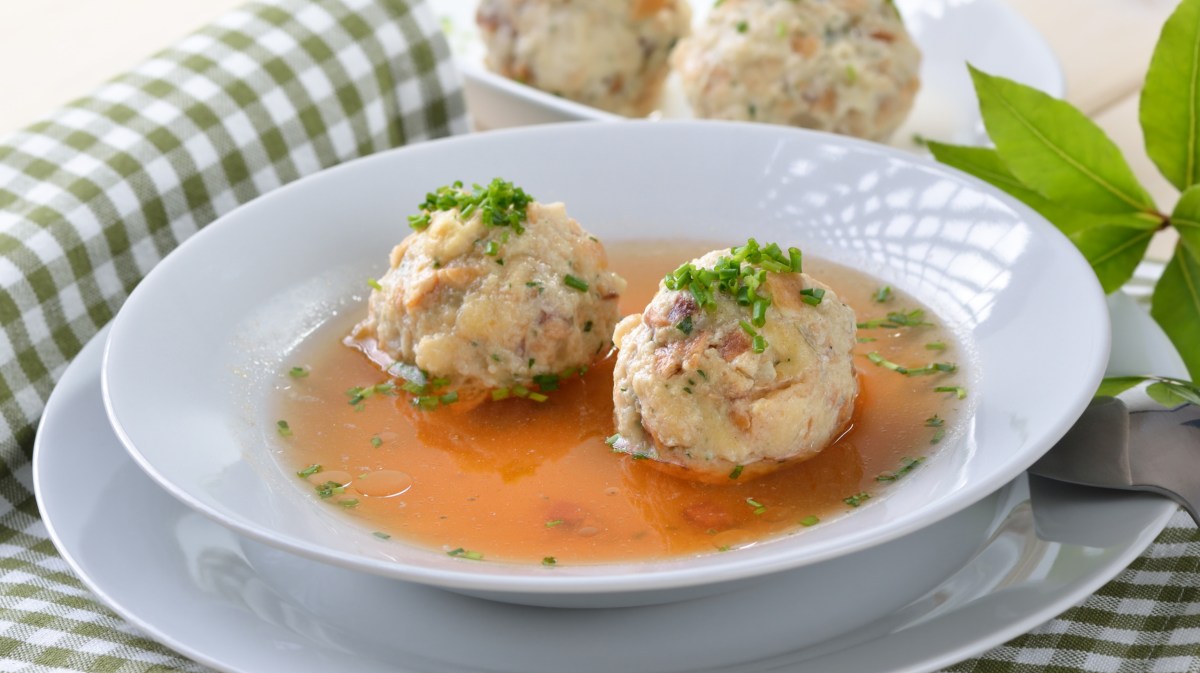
{"points": [[193, 356]]}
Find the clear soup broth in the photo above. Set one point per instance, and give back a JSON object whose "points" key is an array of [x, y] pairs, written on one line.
{"points": [[535, 482]]}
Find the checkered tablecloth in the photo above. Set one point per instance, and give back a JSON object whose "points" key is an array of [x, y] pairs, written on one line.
{"points": [[99, 191]]}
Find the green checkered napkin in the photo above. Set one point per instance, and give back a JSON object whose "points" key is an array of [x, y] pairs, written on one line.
{"points": [[97, 193]]}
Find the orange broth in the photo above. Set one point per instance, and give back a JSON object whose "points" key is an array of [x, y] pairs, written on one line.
{"points": [[530, 482]]}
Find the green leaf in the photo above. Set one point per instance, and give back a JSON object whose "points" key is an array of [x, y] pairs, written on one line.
{"points": [[1176, 306], [1114, 251], [1186, 220], [1164, 394], [985, 163], [1170, 105], [1056, 150], [1112, 386]]}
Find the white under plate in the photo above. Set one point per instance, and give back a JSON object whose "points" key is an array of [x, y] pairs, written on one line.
{"points": [[254, 609], [951, 33]]}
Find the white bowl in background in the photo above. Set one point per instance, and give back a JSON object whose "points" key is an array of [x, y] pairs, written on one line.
{"points": [[988, 34]]}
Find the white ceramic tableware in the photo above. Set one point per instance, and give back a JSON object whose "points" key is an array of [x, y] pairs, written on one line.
{"points": [[192, 356], [253, 609], [951, 33]]}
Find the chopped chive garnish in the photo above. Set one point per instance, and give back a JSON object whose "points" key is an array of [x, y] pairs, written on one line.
{"points": [[330, 489], [554, 522], [491, 249], [758, 313], [809, 521], [284, 429], [500, 394], [449, 398], [349, 503], [935, 346], [759, 508], [812, 296], [857, 499], [741, 276], [376, 441], [548, 383], [794, 259], [520, 391], [575, 283], [549, 561], [760, 344], [702, 374], [685, 325], [381, 535], [878, 359], [906, 465], [298, 372], [748, 328], [913, 318], [374, 284], [613, 439], [866, 340], [587, 326], [309, 471], [736, 471], [538, 397], [465, 553], [934, 421], [938, 436], [959, 391], [883, 294], [500, 204]]}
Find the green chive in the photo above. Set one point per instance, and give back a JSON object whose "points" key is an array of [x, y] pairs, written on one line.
{"points": [[685, 325], [959, 392], [381, 535], [575, 283], [809, 521], [812, 296], [857, 499], [736, 471], [297, 372], [374, 284], [309, 471], [284, 429], [554, 522], [760, 344]]}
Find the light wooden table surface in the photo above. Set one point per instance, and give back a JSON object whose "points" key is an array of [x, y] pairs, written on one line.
{"points": [[52, 51]]}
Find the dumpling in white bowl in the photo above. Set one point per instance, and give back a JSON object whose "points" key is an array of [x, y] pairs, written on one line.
{"points": [[609, 54], [845, 66], [734, 368], [493, 290]]}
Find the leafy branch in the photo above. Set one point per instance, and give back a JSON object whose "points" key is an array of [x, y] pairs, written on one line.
{"points": [[1050, 156]]}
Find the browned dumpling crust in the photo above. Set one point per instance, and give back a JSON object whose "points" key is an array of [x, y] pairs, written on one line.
{"points": [[690, 389], [609, 54], [846, 66]]}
